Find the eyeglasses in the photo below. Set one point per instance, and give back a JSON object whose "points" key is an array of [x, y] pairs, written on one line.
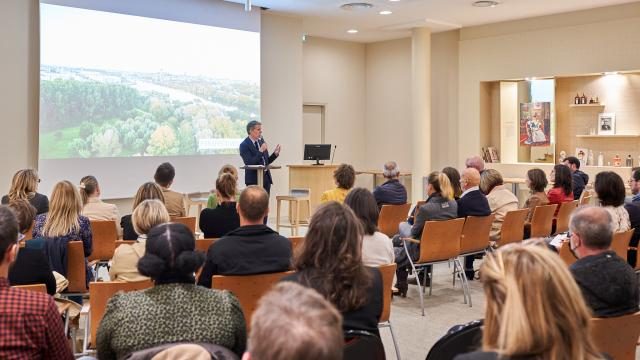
{"points": [[38, 180]]}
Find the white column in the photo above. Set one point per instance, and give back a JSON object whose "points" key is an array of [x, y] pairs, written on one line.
{"points": [[420, 109]]}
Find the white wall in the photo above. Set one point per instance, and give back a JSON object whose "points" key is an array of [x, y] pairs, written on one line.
{"points": [[591, 41], [334, 74]]}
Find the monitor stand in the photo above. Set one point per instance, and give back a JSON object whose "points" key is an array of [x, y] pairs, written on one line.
{"points": [[317, 162]]}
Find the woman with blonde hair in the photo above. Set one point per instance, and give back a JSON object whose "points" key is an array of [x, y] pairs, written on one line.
{"points": [[124, 266], [63, 223], [147, 191], [23, 186], [213, 200], [534, 309], [440, 205], [92, 206]]}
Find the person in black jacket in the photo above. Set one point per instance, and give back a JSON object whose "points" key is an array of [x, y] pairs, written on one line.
{"points": [[24, 186], [253, 248], [31, 266], [607, 282], [633, 208], [580, 179], [391, 192], [472, 202], [216, 222], [330, 261], [147, 191]]}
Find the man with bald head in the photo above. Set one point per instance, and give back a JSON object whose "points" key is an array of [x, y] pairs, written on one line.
{"points": [[475, 162], [253, 248], [392, 192], [472, 202], [608, 284]]}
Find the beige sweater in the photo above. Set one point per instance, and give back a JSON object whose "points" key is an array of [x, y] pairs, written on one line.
{"points": [[124, 265], [501, 200], [95, 209], [174, 202]]}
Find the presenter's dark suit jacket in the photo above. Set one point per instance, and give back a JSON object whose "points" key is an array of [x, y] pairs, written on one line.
{"points": [[251, 156]]}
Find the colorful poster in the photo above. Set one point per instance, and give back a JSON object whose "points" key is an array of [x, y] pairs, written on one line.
{"points": [[535, 123]]}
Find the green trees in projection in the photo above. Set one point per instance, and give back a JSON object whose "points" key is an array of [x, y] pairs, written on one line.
{"points": [[163, 142]]}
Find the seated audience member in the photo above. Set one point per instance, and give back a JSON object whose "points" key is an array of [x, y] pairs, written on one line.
{"points": [[440, 205], [533, 308], [377, 248], [607, 282], [610, 189], [501, 200], [92, 207], [24, 186], [214, 223], [633, 209], [165, 173], [391, 192], [472, 202], [148, 191], [329, 260], [475, 162], [454, 178], [31, 324], [537, 182], [253, 248], [124, 265], [212, 202], [294, 323], [31, 266], [62, 224], [562, 190], [175, 310], [579, 179], [344, 177]]}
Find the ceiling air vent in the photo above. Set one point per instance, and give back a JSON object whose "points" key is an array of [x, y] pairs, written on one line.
{"points": [[485, 3], [356, 6]]}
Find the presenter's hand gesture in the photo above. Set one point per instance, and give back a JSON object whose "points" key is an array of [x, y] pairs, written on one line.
{"points": [[277, 150], [263, 147]]}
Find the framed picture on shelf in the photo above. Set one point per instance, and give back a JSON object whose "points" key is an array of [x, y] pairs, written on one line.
{"points": [[493, 153], [582, 154], [606, 124]]}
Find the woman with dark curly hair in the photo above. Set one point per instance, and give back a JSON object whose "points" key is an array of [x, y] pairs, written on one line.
{"points": [[344, 177], [611, 192], [175, 310], [562, 190], [329, 260]]}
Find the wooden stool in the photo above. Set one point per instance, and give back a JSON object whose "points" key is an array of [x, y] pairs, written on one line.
{"points": [[294, 198]]}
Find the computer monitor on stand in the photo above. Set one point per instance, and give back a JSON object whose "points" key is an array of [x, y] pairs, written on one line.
{"points": [[317, 152]]}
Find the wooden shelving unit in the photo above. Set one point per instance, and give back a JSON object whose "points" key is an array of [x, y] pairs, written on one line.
{"points": [[617, 136], [586, 105]]}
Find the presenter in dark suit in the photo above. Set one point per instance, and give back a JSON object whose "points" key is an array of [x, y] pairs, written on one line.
{"points": [[254, 151]]}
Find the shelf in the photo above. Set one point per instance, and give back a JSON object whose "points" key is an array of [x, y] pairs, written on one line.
{"points": [[622, 136], [586, 105]]}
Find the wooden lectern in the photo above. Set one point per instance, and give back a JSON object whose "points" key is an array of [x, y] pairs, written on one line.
{"points": [[316, 178], [260, 169]]}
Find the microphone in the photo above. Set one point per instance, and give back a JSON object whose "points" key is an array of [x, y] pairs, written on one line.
{"points": [[334, 153]]}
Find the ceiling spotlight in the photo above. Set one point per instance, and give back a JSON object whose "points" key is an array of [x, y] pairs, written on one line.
{"points": [[352, 31], [385, 12], [356, 6], [394, 0], [485, 3]]}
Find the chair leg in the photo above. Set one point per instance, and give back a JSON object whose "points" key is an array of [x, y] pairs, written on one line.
{"points": [[455, 273], [297, 217], [431, 279], [85, 340], [406, 250], [465, 283], [278, 216], [395, 343]]}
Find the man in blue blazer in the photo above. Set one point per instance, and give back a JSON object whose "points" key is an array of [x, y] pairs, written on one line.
{"points": [[254, 151], [472, 202]]}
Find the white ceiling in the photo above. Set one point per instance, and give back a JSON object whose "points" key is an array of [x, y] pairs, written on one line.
{"points": [[324, 18]]}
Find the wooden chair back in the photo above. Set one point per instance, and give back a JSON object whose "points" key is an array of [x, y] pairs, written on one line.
{"points": [[387, 272], [101, 292], [620, 242], [248, 289], [617, 336], [566, 255], [39, 288], [391, 216], [475, 234], [440, 240], [76, 269], [564, 214], [295, 242], [203, 244], [123, 242], [417, 208], [513, 227], [585, 198], [542, 220], [190, 221], [105, 234]]}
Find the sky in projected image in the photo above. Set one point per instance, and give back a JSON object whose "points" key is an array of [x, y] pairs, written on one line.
{"points": [[116, 85]]}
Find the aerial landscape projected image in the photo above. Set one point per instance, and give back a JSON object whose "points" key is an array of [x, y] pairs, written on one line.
{"points": [[114, 85]]}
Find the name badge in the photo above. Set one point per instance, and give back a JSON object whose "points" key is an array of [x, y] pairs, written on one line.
{"points": [[445, 205]]}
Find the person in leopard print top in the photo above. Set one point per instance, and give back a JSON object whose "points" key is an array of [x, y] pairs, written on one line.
{"points": [[175, 310]]}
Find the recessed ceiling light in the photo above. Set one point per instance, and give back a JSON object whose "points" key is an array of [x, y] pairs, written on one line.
{"points": [[485, 3], [356, 6], [385, 12], [610, 73], [352, 31], [394, 0]]}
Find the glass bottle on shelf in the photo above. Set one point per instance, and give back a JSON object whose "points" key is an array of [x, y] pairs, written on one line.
{"points": [[590, 158], [617, 161], [600, 159], [629, 162], [583, 99], [576, 100]]}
